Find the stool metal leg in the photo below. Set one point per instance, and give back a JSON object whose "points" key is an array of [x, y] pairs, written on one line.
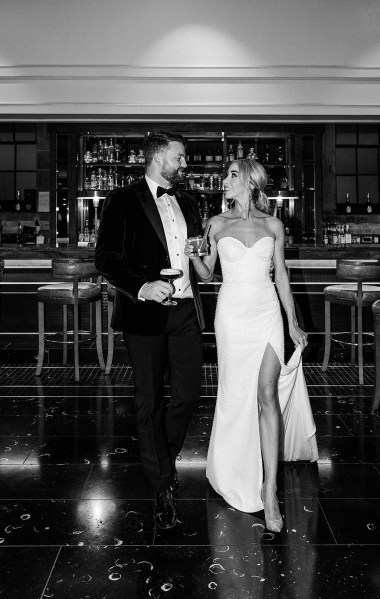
{"points": [[360, 333], [41, 337], [76, 343], [376, 398], [64, 334], [98, 324], [326, 356], [111, 341], [353, 331]]}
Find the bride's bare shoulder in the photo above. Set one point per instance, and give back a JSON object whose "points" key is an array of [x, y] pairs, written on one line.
{"points": [[223, 216], [219, 219]]}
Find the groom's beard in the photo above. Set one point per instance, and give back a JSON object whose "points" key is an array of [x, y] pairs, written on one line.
{"points": [[170, 174]]}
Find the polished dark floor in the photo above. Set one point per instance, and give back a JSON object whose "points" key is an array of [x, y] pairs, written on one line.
{"points": [[76, 509]]}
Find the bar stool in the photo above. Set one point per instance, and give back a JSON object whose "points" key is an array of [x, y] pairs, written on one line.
{"points": [[355, 295], [112, 334], [74, 293], [376, 322]]}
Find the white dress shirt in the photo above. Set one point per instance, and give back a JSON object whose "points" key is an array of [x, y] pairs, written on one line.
{"points": [[175, 229]]}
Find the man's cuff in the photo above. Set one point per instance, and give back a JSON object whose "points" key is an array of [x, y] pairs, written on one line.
{"points": [[141, 299]]}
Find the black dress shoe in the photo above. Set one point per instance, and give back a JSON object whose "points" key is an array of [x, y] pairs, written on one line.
{"points": [[165, 515], [173, 479]]}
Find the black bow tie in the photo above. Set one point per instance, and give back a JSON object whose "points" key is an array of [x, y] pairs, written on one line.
{"points": [[171, 191]]}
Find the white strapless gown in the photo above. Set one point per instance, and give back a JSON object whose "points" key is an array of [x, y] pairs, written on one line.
{"points": [[247, 318]]}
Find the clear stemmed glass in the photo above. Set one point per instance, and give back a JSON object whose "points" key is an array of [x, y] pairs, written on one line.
{"points": [[170, 275]]}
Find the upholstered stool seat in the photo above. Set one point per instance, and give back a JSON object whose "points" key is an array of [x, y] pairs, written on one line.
{"points": [[64, 291], [348, 294], [376, 322], [74, 292], [358, 296]]}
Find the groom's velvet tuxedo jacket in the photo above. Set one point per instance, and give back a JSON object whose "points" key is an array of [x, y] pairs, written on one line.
{"points": [[131, 250]]}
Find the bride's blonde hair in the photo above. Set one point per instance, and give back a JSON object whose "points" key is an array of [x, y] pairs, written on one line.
{"points": [[254, 178]]}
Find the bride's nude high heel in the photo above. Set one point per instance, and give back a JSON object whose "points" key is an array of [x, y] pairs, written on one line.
{"points": [[272, 525]]}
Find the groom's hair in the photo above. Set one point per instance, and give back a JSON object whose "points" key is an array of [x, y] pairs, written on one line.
{"points": [[157, 141]]}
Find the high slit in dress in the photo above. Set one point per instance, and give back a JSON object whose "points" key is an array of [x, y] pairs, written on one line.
{"points": [[247, 319]]}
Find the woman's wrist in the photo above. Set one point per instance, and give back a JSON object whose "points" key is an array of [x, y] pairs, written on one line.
{"points": [[200, 267]]}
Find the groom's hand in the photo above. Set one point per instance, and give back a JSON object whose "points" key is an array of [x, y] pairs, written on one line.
{"points": [[156, 291]]}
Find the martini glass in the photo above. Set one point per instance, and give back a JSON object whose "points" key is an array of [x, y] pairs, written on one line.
{"points": [[170, 275]]}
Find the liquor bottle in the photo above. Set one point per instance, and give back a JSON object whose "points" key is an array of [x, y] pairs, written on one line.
{"points": [[93, 180], [94, 153], [286, 236], [87, 183], [335, 234], [211, 182], [104, 180], [197, 156], [1, 233], [270, 181], [218, 156], [99, 179], [206, 213], [266, 157], [191, 180], [325, 235], [369, 204], [86, 232], [280, 155], [231, 154], [87, 157], [117, 152], [18, 201], [111, 152], [100, 151], [19, 234], [342, 235], [132, 157], [220, 182], [105, 151], [111, 180], [284, 180], [348, 239], [37, 227], [348, 203], [141, 158], [240, 151], [252, 154], [209, 156]]}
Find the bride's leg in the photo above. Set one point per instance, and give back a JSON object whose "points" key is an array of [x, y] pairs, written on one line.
{"points": [[269, 422]]}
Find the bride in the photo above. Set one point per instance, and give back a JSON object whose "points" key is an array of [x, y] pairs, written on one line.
{"points": [[262, 409]]}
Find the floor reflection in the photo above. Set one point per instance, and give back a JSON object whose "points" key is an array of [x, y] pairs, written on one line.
{"points": [[76, 507], [248, 561]]}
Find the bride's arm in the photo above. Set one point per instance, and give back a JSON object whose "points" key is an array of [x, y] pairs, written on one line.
{"points": [[205, 266], [283, 286]]}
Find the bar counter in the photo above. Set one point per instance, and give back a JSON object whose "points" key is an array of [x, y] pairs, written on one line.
{"points": [[27, 255], [310, 269]]}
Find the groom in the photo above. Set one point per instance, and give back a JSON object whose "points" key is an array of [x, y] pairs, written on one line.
{"points": [[143, 228]]}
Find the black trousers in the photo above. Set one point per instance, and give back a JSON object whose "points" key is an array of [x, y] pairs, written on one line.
{"points": [[177, 350]]}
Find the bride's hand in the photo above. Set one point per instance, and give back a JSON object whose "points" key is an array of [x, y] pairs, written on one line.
{"points": [[298, 336], [188, 251]]}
